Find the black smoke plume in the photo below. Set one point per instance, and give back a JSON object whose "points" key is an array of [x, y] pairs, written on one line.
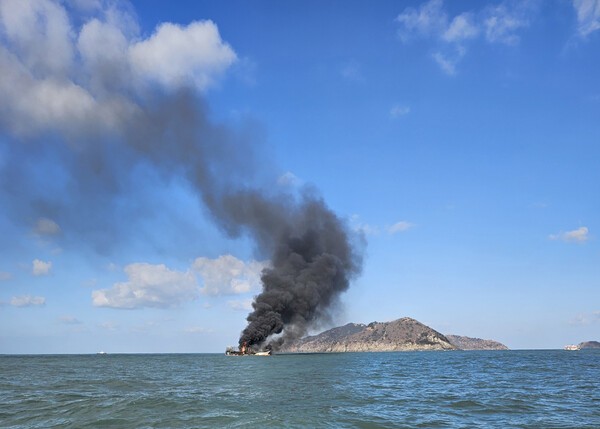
{"points": [[313, 255], [90, 170], [313, 260]]}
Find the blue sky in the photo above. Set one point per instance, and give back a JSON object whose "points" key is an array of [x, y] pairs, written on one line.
{"points": [[462, 139]]}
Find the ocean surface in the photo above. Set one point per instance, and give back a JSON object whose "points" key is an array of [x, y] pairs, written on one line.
{"points": [[475, 389]]}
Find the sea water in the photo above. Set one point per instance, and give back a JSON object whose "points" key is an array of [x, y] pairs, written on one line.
{"points": [[487, 389]]}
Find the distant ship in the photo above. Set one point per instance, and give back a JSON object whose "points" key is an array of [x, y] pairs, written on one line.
{"points": [[572, 347], [101, 352]]}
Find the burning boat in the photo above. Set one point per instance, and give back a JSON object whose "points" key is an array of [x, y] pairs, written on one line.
{"points": [[244, 350]]}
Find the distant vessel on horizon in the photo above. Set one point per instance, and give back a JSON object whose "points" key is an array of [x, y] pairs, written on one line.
{"points": [[101, 352], [572, 347]]}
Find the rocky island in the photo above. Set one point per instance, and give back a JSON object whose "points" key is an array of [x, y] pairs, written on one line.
{"points": [[404, 334], [589, 345], [468, 343]]}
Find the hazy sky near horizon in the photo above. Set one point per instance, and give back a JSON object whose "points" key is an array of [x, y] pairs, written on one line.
{"points": [[461, 139]]}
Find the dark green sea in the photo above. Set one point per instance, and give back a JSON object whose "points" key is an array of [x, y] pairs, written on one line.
{"points": [[491, 389]]}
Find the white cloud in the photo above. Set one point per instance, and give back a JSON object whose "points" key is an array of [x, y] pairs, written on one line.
{"points": [[496, 24], [60, 77], [27, 301], [35, 104], [373, 230], [227, 275], [158, 286], [36, 63], [398, 111], [45, 226], [500, 24], [69, 320], [40, 33], [578, 235], [446, 64], [241, 305], [428, 20], [461, 28], [5, 276], [588, 16], [107, 67], [401, 226], [148, 286], [40, 268], [174, 55]]}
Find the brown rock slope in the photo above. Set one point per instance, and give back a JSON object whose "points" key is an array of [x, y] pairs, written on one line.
{"points": [[589, 345], [468, 343], [400, 335]]}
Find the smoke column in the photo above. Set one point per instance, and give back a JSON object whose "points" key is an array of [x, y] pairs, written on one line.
{"points": [[313, 254], [81, 130], [313, 261]]}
